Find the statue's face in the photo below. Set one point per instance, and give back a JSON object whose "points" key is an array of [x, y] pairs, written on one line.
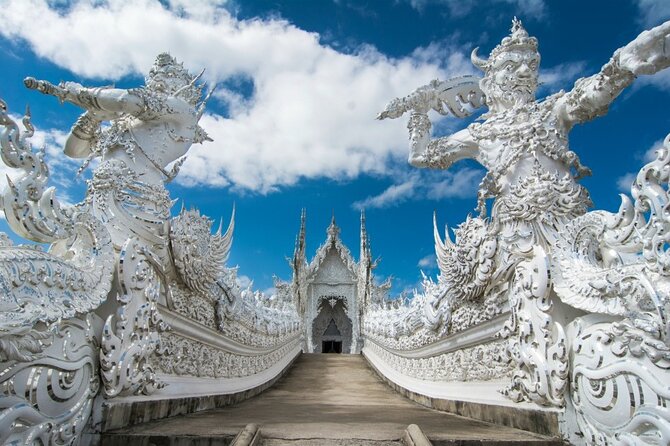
{"points": [[513, 76], [163, 83], [158, 83]]}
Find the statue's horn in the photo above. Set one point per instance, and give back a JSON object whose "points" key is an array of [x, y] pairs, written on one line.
{"points": [[478, 61]]}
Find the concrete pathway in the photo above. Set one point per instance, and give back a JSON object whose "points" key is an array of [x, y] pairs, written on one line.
{"points": [[325, 399]]}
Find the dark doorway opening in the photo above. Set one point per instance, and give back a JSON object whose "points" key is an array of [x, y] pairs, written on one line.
{"points": [[331, 346]]}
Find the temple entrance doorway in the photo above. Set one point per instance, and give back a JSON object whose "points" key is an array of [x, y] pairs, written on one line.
{"points": [[332, 329], [331, 347]]}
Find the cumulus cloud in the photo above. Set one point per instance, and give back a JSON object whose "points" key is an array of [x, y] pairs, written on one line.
{"points": [[659, 80], [311, 109], [432, 185]]}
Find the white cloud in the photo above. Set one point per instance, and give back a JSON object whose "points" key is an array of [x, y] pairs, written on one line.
{"points": [[659, 80], [624, 182], [650, 154], [425, 184], [561, 76], [535, 9], [653, 12], [430, 261], [312, 110], [394, 194], [203, 10]]}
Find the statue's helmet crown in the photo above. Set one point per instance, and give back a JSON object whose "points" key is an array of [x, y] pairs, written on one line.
{"points": [[517, 41]]}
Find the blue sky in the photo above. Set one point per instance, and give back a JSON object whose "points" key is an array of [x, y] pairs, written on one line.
{"points": [[300, 83]]}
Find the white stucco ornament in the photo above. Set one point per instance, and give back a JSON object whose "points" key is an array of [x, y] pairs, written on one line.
{"points": [[540, 256], [568, 306], [126, 300]]}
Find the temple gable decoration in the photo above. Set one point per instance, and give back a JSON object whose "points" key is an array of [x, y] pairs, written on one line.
{"points": [[332, 289]]}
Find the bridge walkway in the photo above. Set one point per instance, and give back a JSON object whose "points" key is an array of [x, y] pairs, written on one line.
{"points": [[323, 400]]}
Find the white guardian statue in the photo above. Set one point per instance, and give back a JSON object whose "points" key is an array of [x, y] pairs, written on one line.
{"points": [[587, 292], [128, 300]]}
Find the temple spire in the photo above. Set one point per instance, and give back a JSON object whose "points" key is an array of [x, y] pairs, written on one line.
{"points": [[300, 239], [299, 262], [365, 245]]}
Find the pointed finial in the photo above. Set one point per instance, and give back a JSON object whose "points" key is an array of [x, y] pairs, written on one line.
{"points": [[333, 230]]}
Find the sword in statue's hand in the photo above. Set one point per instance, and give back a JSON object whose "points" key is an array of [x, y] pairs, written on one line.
{"points": [[457, 96]]}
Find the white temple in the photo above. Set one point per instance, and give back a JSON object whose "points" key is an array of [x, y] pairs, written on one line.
{"points": [[332, 291], [546, 316]]}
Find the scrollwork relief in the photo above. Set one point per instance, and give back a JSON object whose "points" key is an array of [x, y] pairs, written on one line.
{"points": [[192, 358], [47, 397], [130, 337]]}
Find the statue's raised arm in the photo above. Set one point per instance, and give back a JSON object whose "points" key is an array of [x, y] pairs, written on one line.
{"points": [[647, 54], [169, 100], [105, 102], [519, 133], [458, 97]]}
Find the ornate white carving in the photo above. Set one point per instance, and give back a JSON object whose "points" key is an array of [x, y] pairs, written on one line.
{"points": [[130, 337], [619, 383], [164, 267], [48, 345], [333, 241], [46, 396], [539, 255], [537, 344], [198, 255], [129, 207], [193, 358], [544, 256], [333, 272], [75, 275], [152, 126], [479, 363]]}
